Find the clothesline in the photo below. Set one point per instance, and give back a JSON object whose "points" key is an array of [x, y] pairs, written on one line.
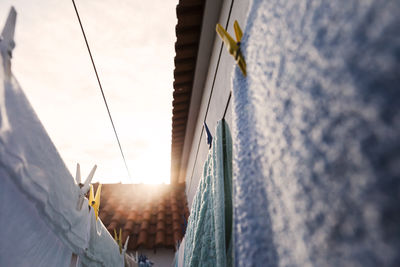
{"points": [[101, 89]]}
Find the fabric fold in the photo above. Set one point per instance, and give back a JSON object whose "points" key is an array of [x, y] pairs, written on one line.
{"points": [[31, 164]]}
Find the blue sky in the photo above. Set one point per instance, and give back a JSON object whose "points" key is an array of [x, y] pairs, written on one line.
{"points": [[133, 45]]}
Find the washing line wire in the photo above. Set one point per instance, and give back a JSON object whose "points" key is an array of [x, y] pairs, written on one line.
{"points": [[101, 89]]}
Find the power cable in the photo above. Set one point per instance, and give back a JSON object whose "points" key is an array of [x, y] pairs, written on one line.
{"points": [[101, 88]]}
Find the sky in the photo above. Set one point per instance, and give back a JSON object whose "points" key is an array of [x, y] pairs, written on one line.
{"points": [[132, 43]]}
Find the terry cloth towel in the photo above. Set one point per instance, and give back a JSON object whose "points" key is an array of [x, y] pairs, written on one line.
{"points": [[316, 130], [205, 234]]}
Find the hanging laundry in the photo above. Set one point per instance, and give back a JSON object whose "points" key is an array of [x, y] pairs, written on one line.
{"points": [[144, 261], [316, 130], [42, 222], [26, 242], [206, 233], [180, 254], [101, 243]]}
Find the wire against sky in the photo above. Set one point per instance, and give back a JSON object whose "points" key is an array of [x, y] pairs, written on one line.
{"points": [[101, 89]]}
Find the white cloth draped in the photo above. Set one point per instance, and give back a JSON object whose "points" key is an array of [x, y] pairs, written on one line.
{"points": [[39, 222]]}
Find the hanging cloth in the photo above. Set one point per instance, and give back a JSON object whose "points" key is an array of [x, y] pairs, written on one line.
{"points": [[101, 246], [206, 235], [25, 237]]}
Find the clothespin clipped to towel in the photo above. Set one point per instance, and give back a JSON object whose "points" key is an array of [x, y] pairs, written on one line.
{"points": [[209, 136], [232, 46], [94, 201], [118, 239], [83, 188]]}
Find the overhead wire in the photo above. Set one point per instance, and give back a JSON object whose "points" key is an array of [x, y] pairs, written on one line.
{"points": [[101, 89]]}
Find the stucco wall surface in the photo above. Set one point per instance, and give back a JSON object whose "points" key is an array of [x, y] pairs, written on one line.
{"points": [[316, 130], [215, 99]]}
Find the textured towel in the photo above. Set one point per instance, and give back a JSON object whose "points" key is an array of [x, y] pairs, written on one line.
{"points": [[316, 130], [205, 234]]}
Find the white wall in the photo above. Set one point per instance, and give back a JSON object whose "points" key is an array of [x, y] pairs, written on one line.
{"points": [[216, 92]]}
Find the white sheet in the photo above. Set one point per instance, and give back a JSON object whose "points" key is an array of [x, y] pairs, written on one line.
{"points": [[40, 225], [25, 239]]}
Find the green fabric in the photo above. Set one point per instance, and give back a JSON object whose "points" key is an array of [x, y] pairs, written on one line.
{"points": [[207, 234], [227, 159]]}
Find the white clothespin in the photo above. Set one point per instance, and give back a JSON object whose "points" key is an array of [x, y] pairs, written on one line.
{"points": [[125, 245], [83, 188], [118, 239]]}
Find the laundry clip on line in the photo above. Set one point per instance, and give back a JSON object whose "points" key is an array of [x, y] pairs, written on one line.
{"points": [[118, 239], [83, 188], [94, 201], [125, 245], [232, 46], [209, 136]]}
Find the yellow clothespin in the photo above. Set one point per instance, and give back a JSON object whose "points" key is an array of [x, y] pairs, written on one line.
{"points": [[94, 201], [232, 46], [91, 195], [118, 239]]}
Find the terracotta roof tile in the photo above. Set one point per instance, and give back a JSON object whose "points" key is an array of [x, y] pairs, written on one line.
{"points": [[154, 216], [188, 29]]}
